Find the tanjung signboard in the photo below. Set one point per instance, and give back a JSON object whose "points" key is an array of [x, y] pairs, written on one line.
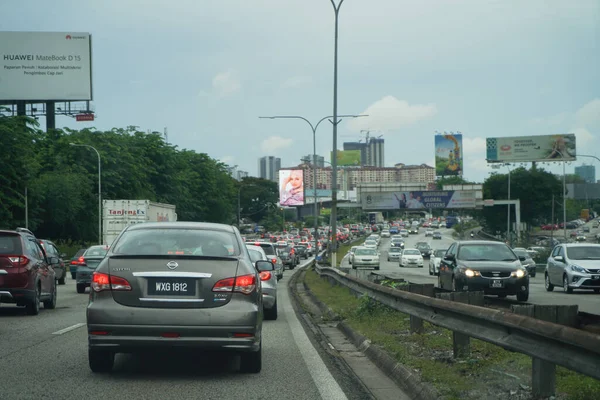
{"points": [[420, 200], [38, 66], [531, 148]]}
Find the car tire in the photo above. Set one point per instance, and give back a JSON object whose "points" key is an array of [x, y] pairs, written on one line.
{"points": [[271, 313], [251, 363], [523, 296], [33, 307], [73, 276], [81, 288], [50, 304], [101, 361], [549, 287], [61, 281], [532, 275], [566, 287]]}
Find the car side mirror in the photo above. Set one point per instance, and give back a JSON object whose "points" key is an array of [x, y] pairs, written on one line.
{"points": [[559, 258], [53, 260], [263, 265], [449, 257], [522, 258]]}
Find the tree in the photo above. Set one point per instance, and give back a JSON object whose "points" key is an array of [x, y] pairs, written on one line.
{"points": [[256, 196]]}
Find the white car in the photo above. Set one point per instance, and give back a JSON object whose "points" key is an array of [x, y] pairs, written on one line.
{"points": [[428, 232], [404, 232], [411, 258], [351, 253], [365, 257], [434, 261], [375, 238], [385, 233], [370, 244]]}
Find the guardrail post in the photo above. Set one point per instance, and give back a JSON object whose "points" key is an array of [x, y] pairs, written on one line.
{"points": [[416, 324], [543, 373], [461, 343]]}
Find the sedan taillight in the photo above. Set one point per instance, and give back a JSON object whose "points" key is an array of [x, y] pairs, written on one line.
{"points": [[244, 284], [102, 282], [18, 261]]}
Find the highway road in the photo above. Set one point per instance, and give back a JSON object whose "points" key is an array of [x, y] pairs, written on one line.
{"points": [[45, 356], [588, 301]]}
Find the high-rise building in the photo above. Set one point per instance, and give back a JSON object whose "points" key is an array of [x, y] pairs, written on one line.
{"points": [[376, 153], [308, 159], [587, 173], [268, 168]]}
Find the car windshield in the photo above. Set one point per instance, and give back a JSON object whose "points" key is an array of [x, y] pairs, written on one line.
{"points": [[370, 243], [10, 244], [411, 253], [485, 252], [422, 245], [201, 242], [365, 252], [583, 253], [439, 253], [522, 253], [96, 251]]}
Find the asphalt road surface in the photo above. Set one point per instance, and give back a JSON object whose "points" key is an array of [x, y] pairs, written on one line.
{"points": [[588, 301], [45, 357]]}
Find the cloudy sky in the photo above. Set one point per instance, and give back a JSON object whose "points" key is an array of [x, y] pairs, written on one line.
{"points": [[208, 69]]}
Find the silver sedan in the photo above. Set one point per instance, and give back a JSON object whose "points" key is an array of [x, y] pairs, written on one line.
{"points": [[268, 281]]}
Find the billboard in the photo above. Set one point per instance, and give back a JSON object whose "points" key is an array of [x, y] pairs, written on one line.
{"points": [[531, 148], [40, 66], [291, 187], [419, 200], [347, 157], [448, 155]]}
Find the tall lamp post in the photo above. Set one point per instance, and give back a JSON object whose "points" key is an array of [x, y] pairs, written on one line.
{"points": [[507, 165], [336, 9], [314, 131], [99, 188]]}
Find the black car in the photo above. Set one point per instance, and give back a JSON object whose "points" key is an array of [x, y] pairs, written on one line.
{"points": [[481, 265], [287, 256], [87, 265], [526, 260], [301, 251], [424, 248], [75, 261]]}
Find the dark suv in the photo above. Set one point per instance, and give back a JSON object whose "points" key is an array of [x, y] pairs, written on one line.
{"points": [[26, 274]]}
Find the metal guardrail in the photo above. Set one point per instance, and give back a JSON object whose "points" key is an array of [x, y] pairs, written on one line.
{"points": [[551, 343]]}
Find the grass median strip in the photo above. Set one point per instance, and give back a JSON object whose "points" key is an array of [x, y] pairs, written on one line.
{"points": [[490, 373]]}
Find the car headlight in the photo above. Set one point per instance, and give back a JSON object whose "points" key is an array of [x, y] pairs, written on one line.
{"points": [[518, 273], [471, 273], [579, 269]]}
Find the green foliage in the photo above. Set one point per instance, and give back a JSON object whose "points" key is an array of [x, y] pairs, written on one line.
{"points": [[62, 180]]}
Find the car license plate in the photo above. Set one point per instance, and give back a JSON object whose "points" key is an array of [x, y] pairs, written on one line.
{"points": [[496, 283], [172, 287]]}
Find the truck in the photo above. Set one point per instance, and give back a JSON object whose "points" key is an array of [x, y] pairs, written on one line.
{"points": [[375, 218], [119, 214]]}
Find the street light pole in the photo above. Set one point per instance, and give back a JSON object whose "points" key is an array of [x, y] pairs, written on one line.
{"points": [[99, 189], [335, 122], [564, 201], [314, 132], [508, 208]]}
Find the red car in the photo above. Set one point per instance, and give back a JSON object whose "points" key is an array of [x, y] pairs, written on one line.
{"points": [[550, 227], [26, 274]]}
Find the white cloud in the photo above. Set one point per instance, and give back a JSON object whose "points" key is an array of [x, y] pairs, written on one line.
{"points": [[583, 137], [296, 81], [274, 143], [227, 160], [226, 83], [473, 146], [588, 116], [389, 114]]}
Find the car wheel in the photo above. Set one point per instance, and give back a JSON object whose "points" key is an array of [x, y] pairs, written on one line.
{"points": [[33, 307], [547, 284], [73, 276], [532, 275], [101, 360], [50, 304], [523, 296], [61, 281], [81, 288], [566, 287], [251, 362], [271, 313]]}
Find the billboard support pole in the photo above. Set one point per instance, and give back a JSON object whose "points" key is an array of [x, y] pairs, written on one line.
{"points": [[50, 116], [21, 108]]}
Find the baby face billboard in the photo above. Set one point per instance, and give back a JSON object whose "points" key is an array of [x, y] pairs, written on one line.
{"points": [[420, 200], [448, 155], [291, 187]]}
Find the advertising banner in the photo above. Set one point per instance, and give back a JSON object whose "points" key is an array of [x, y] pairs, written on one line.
{"points": [[531, 148], [347, 157], [448, 155], [420, 200], [291, 187], [41, 66]]}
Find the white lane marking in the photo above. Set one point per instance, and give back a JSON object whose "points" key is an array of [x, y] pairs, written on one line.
{"points": [[68, 329]]}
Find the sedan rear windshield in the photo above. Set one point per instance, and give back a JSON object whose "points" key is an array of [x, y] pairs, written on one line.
{"points": [[199, 242], [395, 250], [584, 253], [96, 251], [522, 253], [411, 253], [486, 252], [10, 244], [365, 252]]}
